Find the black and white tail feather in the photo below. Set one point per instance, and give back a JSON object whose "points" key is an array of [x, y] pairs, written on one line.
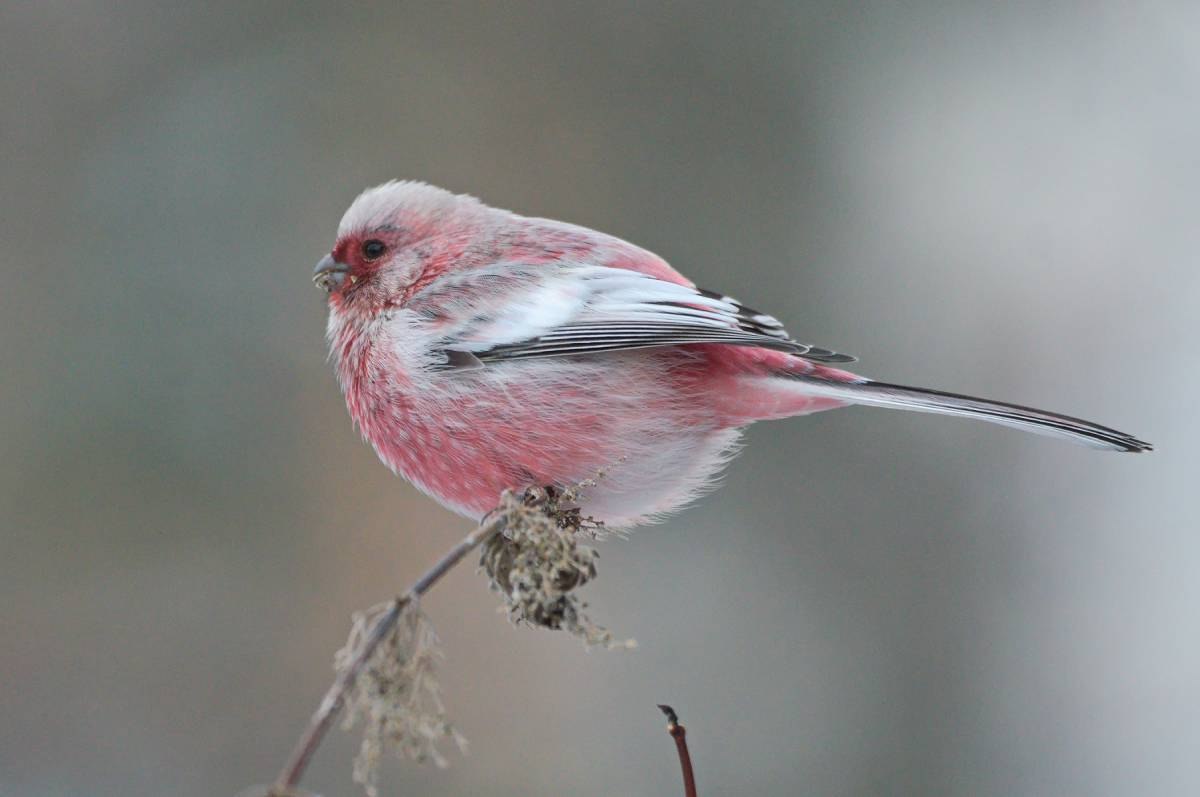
{"points": [[1051, 424]]}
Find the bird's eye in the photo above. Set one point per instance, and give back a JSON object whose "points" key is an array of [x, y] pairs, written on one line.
{"points": [[373, 249]]}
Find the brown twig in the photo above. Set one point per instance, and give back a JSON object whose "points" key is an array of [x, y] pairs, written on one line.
{"points": [[331, 704], [679, 734]]}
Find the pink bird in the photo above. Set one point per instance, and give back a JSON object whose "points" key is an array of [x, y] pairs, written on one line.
{"points": [[480, 350]]}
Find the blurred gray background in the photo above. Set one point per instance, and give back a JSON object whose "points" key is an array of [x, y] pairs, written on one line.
{"points": [[993, 198]]}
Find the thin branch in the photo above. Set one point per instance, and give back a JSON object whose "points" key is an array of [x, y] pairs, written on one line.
{"points": [[679, 734], [289, 778]]}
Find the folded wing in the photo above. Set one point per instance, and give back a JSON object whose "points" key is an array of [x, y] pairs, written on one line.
{"points": [[517, 313]]}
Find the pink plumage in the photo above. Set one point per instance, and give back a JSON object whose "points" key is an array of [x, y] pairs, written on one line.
{"points": [[481, 350]]}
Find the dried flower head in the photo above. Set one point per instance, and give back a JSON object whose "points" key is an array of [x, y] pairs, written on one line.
{"points": [[397, 695], [537, 563]]}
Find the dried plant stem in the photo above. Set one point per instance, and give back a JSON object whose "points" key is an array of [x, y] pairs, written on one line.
{"points": [[331, 704], [679, 734]]}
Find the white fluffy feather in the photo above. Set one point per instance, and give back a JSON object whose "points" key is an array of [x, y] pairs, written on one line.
{"points": [[377, 206]]}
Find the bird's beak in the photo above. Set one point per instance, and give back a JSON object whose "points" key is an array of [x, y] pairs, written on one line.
{"points": [[330, 274]]}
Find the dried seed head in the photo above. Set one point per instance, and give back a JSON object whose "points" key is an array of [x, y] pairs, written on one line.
{"points": [[537, 563], [396, 695]]}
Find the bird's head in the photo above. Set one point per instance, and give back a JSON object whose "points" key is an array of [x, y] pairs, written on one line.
{"points": [[392, 239]]}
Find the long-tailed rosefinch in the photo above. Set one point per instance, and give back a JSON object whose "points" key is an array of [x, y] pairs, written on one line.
{"points": [[480, 350]]}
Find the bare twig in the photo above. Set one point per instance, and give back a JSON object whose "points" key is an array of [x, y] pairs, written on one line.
{"points": [[289, 778], [679, 734]]}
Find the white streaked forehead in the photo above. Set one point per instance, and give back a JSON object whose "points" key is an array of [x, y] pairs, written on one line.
{"points": [[381, 204]]}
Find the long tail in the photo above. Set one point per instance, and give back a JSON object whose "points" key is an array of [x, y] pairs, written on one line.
{"points": [[881, 394]]}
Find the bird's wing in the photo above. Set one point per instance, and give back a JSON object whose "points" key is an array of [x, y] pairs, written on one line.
{"points": [[514, 312]]}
